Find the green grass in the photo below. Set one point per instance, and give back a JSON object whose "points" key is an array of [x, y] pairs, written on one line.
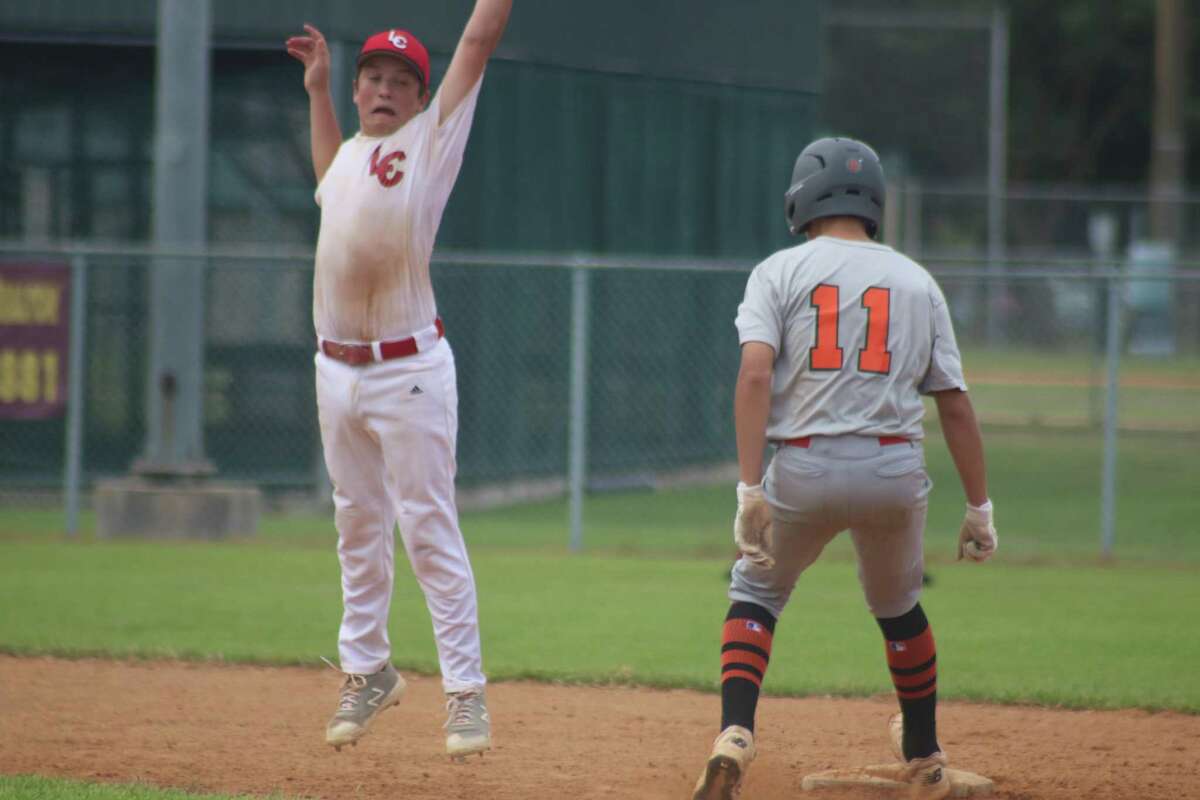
{"points": [[1046, 622], [1077, 363], [1085, 636], [1067, 387], [25, 787], [1140, 409], [1046, 486]]}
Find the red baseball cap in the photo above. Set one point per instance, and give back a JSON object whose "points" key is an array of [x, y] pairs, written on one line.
{"points": [[398, 44]]}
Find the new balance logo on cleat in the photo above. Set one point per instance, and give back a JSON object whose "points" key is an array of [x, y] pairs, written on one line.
{"points": [[361, 699], [731, 755]]}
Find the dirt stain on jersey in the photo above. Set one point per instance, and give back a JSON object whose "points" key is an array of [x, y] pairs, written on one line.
{"points": [[368, 292]]}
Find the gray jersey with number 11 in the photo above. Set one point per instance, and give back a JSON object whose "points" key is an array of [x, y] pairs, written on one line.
{"points": [[859, 331]]}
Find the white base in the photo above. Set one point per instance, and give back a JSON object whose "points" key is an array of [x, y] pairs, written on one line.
{"points": [[881, 777]]}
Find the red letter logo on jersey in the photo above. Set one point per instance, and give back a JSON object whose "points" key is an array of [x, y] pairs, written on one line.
{"points": [[387, 169]]}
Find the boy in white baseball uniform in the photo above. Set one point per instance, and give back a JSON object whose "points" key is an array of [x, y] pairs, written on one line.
{"points": [[840, 338], [386, 393]]}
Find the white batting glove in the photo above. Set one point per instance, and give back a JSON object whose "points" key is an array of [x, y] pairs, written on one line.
{"points": [[752, 525], [977, 538]]}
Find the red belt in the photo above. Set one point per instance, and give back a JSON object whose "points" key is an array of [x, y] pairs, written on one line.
{"points": [[806, 441], [357, 354]]}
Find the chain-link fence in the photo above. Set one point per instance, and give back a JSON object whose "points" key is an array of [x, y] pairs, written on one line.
{"points": [[652, 376], [604, 373]]}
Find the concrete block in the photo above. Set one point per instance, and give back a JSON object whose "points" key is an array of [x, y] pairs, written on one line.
{"points": [[143, 508]]}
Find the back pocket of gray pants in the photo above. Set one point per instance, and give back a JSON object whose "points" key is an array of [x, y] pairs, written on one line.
{"points": [[898, 466]]}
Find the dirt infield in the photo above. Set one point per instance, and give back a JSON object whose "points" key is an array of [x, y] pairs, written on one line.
{"points": [[203, 727]]}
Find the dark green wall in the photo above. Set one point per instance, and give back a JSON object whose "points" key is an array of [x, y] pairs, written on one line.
{"points": [[559, 159], [645, 129], [768, 43], [567, 160]]}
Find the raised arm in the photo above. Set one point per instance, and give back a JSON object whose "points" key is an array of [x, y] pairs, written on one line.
{"points": [[312, 51], [478, 42]]}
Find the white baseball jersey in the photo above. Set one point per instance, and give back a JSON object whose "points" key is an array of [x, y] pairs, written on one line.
{"points": [[381, 203], [859, 332]]}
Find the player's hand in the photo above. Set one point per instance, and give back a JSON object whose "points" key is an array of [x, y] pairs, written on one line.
{"points": [[313, 52], [977, 538], [752, 525]]}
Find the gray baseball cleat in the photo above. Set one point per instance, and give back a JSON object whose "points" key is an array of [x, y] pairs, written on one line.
{"points": [[468, 726], [362, 699]]}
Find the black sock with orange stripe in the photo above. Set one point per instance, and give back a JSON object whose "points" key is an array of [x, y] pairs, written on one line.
{"points": [[912, 659], [745, 651]]}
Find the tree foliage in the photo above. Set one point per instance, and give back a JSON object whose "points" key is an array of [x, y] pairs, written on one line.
{"points": [[1080, 98]]}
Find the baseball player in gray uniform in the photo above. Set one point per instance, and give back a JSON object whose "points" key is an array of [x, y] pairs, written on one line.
{"points": [[840, 338], [387, 398]]}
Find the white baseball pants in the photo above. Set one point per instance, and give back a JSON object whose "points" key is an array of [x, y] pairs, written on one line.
{"points": [[879, 492], [389, 431]]}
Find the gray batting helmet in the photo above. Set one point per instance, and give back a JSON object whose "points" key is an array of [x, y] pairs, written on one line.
{"points": [[836, 177]]}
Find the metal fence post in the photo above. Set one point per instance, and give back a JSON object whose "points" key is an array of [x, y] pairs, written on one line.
{"points": [[74, 443], [997, 173], [1108, 489], [577, 454]]}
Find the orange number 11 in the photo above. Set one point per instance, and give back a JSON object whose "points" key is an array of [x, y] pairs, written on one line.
{"points": [[874, 356]]}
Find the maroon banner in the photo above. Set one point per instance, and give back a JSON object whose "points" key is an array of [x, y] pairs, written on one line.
{"points": [[34, 340]]}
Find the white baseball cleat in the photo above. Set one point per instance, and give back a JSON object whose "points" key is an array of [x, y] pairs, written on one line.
{"points": [[722, 777], [927, 775]]}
